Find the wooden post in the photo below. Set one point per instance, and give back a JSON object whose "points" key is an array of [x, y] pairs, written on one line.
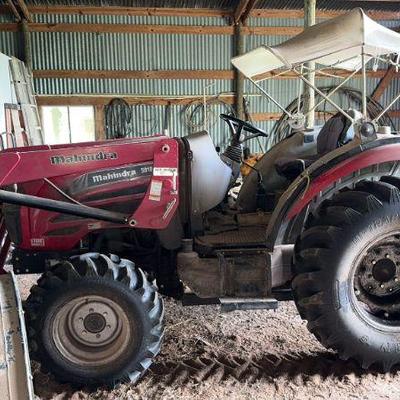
{"points": [[99, 122], [27, 45], [309, 95], [239, 78]]}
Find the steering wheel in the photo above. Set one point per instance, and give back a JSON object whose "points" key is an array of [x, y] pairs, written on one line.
{"points": [[237, 126]]}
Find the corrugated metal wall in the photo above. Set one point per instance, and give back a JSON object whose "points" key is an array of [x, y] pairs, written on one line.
{"points": [[125, 51]]}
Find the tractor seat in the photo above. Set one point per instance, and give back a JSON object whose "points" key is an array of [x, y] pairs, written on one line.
{"points": [[333, 134]]}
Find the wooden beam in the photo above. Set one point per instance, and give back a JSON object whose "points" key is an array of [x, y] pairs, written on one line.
{"points": [[310, 7], [239, 77], [223, 74], [239, 11], [155, 29], [192, 12], [243, 11], [384, 83], [9, 27], [299, 14], [123, 74], [14, 10], [131, 11], [24, 10], [99, 101], [102, 100], [248, 10], [99, 122]]}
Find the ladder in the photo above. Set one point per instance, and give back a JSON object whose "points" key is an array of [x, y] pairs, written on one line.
{"points": [[23, 85]]}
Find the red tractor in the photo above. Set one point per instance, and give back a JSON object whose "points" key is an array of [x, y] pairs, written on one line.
{"points": [[111, 224]]}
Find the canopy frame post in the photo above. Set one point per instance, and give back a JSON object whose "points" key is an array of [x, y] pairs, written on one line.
{"points": [[364, 84]]}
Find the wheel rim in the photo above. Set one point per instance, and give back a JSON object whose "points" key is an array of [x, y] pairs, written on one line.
{"points": [[376, 281], [92, 331]]}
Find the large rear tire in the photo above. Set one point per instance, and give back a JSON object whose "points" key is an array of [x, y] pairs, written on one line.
{"points": [[93, 320], [347, 265]]}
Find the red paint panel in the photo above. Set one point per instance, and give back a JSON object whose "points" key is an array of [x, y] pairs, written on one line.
{"points": [[29, 164], [377, 155], [157, 209]]}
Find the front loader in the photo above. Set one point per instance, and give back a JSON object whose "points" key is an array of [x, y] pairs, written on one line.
{"points": [[112, 225]]}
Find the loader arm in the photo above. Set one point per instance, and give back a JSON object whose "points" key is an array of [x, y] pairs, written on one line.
{"points": [[158, 156]]}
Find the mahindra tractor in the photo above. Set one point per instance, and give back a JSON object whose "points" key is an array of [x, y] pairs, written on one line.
{"points": [[111, 225]]}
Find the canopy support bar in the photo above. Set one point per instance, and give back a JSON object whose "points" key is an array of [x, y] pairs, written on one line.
{"points": [[386, 108], [262, 90], [332, 103], [364, 84], [337, 88]]}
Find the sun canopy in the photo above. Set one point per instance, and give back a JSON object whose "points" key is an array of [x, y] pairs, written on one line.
{"points": [[336, 42]]}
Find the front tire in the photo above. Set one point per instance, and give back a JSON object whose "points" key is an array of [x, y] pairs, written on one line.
{"points": [[93, 320], [347, 265]]}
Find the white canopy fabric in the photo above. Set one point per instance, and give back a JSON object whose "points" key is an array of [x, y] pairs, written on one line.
{"points": [[336, 42]]}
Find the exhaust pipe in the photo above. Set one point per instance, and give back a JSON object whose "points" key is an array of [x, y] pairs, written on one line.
{"points": [[62, 207]]}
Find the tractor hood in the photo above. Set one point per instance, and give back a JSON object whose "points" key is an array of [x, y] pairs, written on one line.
{"points": [[210, 176]]}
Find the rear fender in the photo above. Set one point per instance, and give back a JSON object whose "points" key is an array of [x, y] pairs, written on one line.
{"points": [[338, 169]]}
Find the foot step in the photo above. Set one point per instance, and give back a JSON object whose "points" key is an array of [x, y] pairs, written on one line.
{"points": [[234, 303]]}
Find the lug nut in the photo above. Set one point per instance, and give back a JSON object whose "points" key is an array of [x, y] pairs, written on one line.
{"points": [[386, 315], [382, 285], [373, 262], [387, 255], [396, 279], [91, 310]]}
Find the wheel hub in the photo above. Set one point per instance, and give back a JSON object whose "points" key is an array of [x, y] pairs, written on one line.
{"points": [[94, 323], [92, 330], [377, 283]]}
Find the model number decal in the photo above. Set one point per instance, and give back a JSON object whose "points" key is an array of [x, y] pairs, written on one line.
{"points": [[37, 242], [119, 174]]}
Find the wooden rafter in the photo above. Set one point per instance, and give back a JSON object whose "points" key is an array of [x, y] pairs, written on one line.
{"points": [[14, 10], [243, 10], [384, 83], [250, 7], [24, 9]]}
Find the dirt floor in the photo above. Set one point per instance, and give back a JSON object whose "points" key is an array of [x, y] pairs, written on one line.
{"points": [[239, 355]]}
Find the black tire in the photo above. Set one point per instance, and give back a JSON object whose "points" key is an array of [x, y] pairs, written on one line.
{"points": [[94, 320], [329, 264]]}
